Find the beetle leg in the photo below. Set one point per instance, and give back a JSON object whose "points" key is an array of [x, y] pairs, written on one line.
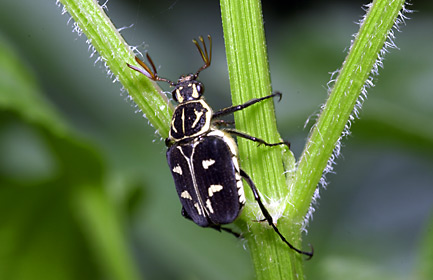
{"points": [[228, 230], [255, 139], [268, 216], [215, 227], [235, 108]]}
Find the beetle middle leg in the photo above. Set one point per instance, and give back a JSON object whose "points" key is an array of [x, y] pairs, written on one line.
{"points": [[255, 139]]}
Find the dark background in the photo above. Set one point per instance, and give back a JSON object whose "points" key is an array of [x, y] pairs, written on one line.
{"points": [[371, 222]]}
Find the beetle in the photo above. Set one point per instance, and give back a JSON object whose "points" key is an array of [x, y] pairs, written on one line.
{"points": [[202, 157]]}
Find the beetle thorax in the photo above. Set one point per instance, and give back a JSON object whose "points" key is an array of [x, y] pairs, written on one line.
{"points": [[190, 119]]}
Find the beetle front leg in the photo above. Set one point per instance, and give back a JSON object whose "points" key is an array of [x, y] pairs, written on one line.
{"points": [[235, 108]]}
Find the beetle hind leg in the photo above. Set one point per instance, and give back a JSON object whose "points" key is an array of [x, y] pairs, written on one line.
{"points": [[268, 216]]}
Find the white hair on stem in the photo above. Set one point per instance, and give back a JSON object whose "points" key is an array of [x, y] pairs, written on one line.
{"points": [[389, 44]]}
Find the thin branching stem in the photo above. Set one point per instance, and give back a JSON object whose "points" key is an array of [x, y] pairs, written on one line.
{"points": [[287, 195]]}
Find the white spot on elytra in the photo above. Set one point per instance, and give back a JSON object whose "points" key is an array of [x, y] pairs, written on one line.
{"points": [[209, 206], [235, 162], [241, 192], [185, 194], [177, 170], [207, 162], [213, 189], [198, 208]]}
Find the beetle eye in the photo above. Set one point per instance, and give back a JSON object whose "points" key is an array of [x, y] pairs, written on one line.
{"points": [[200, 88], [177, 96]]}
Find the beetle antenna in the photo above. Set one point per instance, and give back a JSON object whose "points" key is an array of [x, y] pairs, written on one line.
{"points": [[206, 56], [146, 71]]}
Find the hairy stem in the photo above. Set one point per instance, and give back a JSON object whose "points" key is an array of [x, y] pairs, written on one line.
{"points": [[249, 78], [91, 20], [340, 108], [286, 195]]}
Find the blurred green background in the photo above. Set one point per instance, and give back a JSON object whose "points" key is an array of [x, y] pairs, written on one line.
{"points": [[80, 170]]}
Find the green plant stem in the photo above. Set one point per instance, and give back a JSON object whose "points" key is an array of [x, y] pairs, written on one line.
{"points": [[249, 78], [341, 102], [110, 248], [114, 51], [248, 70]]}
